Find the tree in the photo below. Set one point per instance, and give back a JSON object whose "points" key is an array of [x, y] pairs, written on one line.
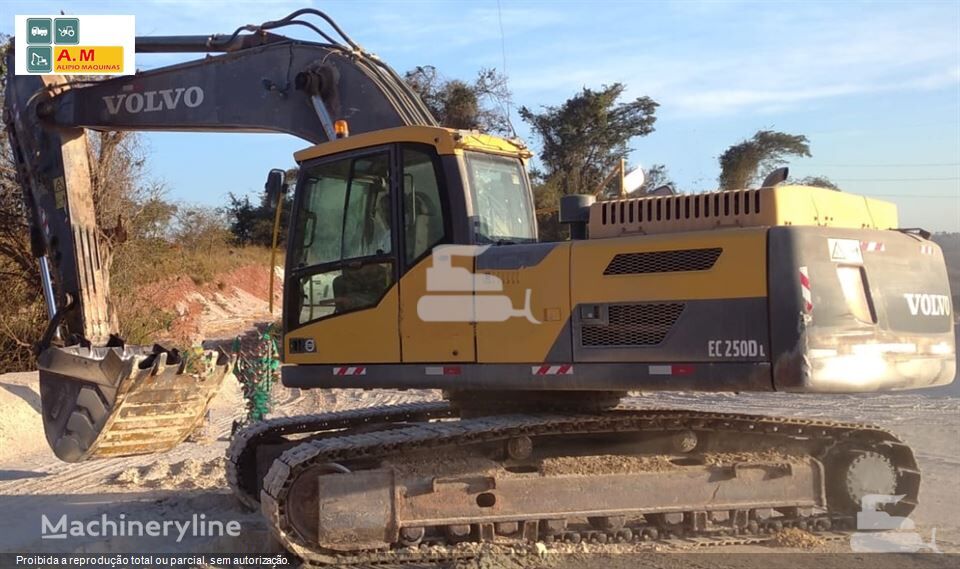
{"points": [[480, 105], [199, 227], [819, 182], [746, 162], [243, 218], [251, 224], [21, 306], [583, 139], [151, 220]]}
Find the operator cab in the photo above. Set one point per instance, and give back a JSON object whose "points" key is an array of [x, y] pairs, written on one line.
{"points": [[370, 207]]}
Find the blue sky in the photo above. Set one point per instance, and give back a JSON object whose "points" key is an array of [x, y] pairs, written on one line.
{"points": [[875, 86]]}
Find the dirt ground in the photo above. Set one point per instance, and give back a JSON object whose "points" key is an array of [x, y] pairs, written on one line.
{"points": [[231, 301], [189, 481]]}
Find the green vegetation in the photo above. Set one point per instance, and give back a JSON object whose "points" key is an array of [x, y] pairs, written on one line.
{"points": [[480, 104], [748, 161], [581, 141], [745, 164]]}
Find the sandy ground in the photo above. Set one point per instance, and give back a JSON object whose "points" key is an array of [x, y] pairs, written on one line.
{"points": [[188, 480]]}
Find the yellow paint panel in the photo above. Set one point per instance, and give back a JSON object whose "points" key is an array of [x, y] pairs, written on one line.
{"points": [[517, 340], [740, 272], [432, 341], [802, 205], [363, 337], [781, 205], [445, 140]]}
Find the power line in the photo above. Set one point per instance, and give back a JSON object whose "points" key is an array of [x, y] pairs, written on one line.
{"points": [[897, 179], [506, 105], [913, 196], [904, 165], [503, 41]]}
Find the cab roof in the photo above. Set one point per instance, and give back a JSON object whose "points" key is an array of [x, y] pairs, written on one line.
{"points": [[445, 140]]}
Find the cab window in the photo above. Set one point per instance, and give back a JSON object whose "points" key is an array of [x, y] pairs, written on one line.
{"points": [[501, 200], [343, 243], [422, 211]]}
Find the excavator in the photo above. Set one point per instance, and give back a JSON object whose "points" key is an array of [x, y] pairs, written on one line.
{"points": [[413, 263]]}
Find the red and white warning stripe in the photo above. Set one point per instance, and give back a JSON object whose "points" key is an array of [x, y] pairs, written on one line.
{"points": [[442, 370], [805, 290], [565, 369], [926, 249], [873, 246], [349, 370], [671, 369]]}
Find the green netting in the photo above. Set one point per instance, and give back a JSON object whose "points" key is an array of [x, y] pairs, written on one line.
{"points": [[258, 370]]}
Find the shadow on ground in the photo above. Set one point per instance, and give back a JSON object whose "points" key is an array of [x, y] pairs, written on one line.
{"points": [[23, 392]]}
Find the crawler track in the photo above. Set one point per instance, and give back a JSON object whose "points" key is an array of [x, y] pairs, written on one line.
{"points": [[241, 468], [829, 442], [429, 556]]}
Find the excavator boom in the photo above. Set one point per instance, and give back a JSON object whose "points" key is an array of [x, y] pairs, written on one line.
{"points": [[102, 397]]}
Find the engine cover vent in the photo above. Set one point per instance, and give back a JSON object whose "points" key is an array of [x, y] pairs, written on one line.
{"points": [[633, 325], [663, 261], [764, 207]]}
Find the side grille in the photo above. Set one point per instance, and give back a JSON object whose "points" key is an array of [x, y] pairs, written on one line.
{"points": [[633, 325], [663, 261]]}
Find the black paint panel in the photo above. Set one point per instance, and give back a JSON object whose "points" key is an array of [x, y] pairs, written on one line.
{"points": [[689, 339], [830, 349]]}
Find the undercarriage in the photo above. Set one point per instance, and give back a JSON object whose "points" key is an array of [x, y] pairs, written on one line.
{"points": [[392, 482]]}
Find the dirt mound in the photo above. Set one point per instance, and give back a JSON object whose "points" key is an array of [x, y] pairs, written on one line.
{"points": [[187, 474], [231, 301], [795, 537]]}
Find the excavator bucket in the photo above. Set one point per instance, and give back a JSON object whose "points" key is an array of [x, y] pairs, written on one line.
{"points": [[122, 401]]}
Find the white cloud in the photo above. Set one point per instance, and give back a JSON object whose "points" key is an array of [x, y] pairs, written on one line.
{"points": [[753, 61], [721, 101]]}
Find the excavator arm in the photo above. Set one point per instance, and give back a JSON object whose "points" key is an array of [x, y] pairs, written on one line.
{"points": [[100, 396]]}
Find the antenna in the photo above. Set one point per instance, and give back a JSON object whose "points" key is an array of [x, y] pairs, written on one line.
{"points": [[503, 53]]}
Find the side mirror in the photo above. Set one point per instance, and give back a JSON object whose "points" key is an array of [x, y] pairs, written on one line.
{"points": [[275, 186]]}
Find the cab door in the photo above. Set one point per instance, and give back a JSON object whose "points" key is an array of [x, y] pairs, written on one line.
{"points": [[341, 302], [427, 222]]}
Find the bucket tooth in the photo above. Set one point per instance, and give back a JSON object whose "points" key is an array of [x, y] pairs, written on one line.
{"points": [[159, 364], [114, 366]]}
